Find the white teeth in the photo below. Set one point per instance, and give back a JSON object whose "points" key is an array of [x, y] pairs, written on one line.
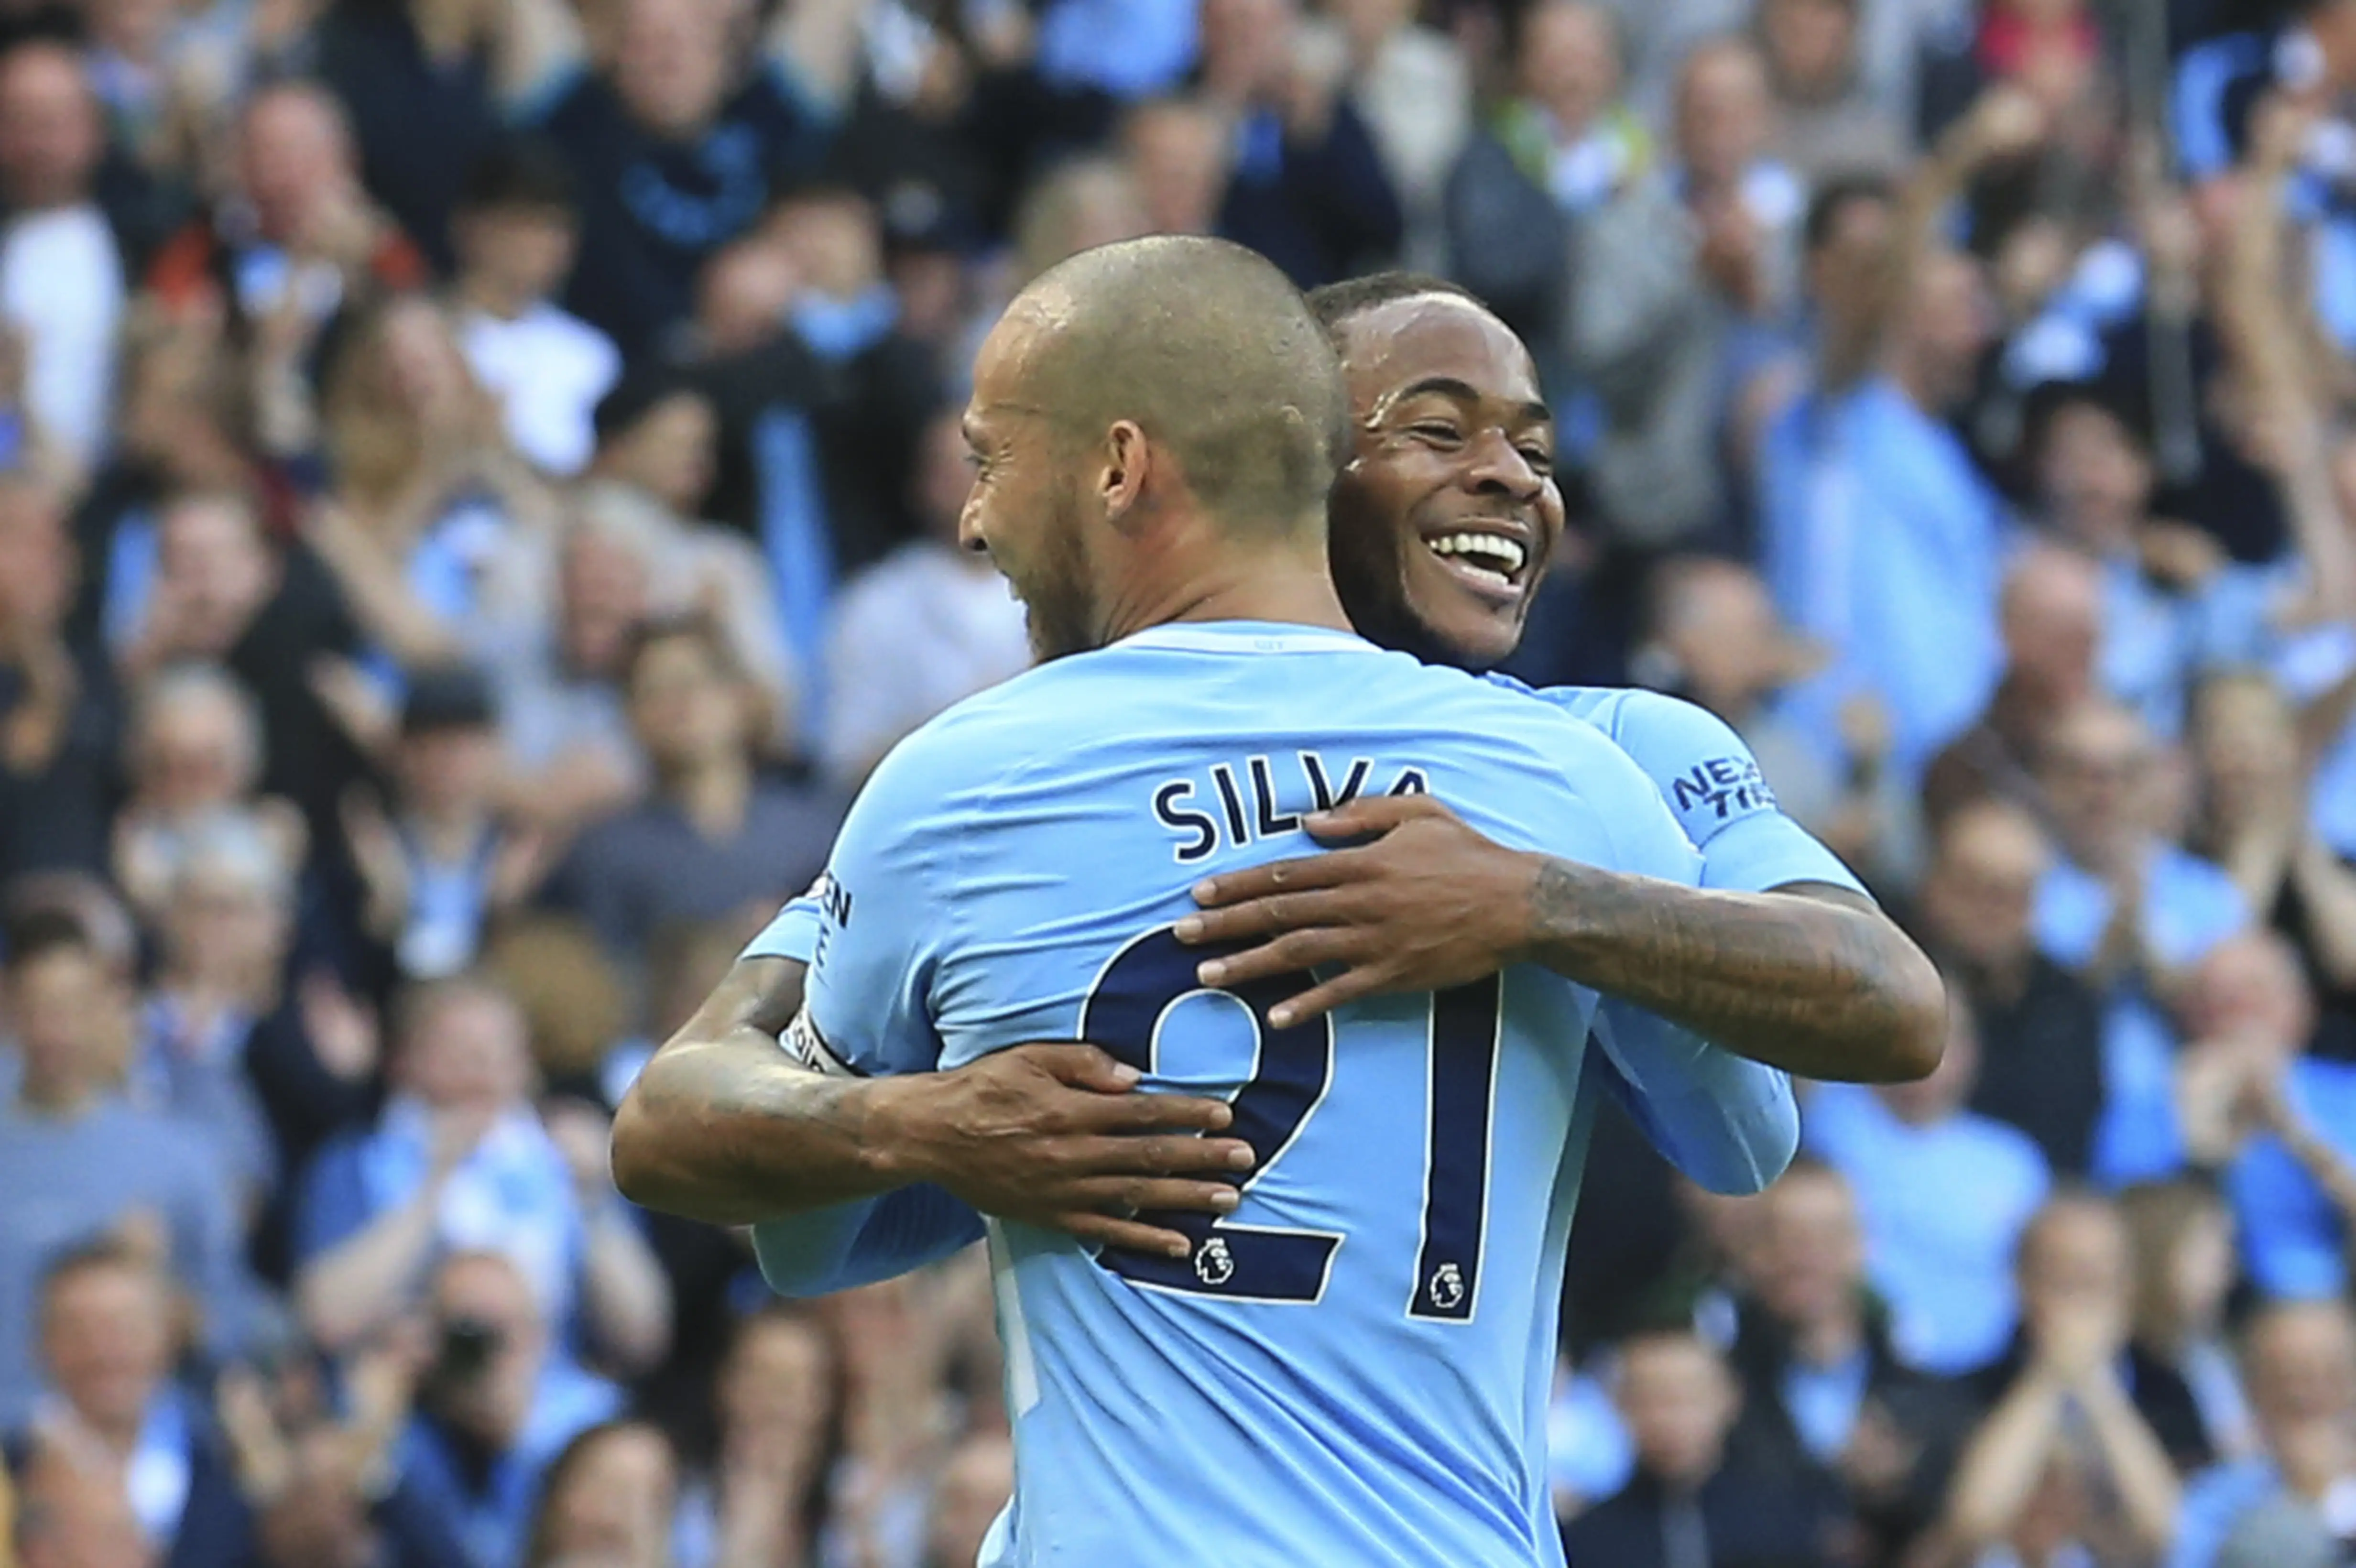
{"points": [[1498, 555]]}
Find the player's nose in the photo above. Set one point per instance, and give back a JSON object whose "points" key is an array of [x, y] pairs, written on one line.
{"points": [[969, 534], [1495, 465]]}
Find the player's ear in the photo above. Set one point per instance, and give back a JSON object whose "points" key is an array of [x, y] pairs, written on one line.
{"points": [[1128, 461]]}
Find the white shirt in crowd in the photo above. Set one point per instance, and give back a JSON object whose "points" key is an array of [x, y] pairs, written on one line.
{"points": [[548, 370], [62, 287], [921, 631]]}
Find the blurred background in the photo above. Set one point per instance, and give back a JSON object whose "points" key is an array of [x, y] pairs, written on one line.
{"points": [[478, 484]]}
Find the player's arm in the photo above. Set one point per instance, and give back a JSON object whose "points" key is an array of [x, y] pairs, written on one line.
{"points": [[1811, 979], [725, 1126]]}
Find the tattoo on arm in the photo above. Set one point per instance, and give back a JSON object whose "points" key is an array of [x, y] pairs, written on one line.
{"points": [[1812, 979]]}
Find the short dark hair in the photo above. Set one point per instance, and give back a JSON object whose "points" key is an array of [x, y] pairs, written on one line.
{"points": [[448, 697], [1334, 304], [521, 171], [1833, 198], [2048, 401], [700, 630], [104, 1251], [38, 932]]}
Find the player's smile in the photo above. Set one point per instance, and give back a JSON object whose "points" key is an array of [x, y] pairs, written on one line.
{"points": [[1495, 559]]}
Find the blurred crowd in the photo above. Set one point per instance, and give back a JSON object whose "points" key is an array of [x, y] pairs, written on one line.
{"points": [[478, 481]]}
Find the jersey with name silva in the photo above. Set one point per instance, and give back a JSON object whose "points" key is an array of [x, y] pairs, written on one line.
{"points": [[1353, 1368]]}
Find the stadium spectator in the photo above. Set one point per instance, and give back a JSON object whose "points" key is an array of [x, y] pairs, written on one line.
{"points": [[62, 272], [1653, 341], [430, 524], [496, 1408], [517, 233], [2284, 1123], [2127, 910], [1881, 537], [928, 626], [1412, 86], [2038, 1025], [2173, 606], [2049, 616], [1826, 1395], [267, 1066], [271, 616], [223, 915], [1549, 155], [775, 1398], [181, 429], [193, 755], [457, 1161], [648, 481], [1944, 1193], [564, 723], [2183, 1239], [2075, 1276], [1831, 120], [2276, 1509], [79, 1161], [107, 1334], [1305, 186], [419, 81], [300, 238], [57, 701], [679, 143], [976, 1482], [436, 861], [1171, 149], [607, 1499], [2253, 819], [1694, 1499], [714, 835]]}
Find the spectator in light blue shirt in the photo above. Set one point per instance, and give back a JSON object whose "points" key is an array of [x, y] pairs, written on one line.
{"points": [[1882, 539], [1944, 1193], [2129, 911], [2094, 478], [2252, 1010], [2301, 1361]]}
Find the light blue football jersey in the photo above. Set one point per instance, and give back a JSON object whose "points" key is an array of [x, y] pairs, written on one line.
{"points": [[1711, 782], [1354, 1368]]}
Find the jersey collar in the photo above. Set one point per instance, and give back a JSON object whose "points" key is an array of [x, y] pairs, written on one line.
{"points": [[1242, 637]]}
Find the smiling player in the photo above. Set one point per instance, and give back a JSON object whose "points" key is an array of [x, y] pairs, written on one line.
{"points": [[1442, 524]]}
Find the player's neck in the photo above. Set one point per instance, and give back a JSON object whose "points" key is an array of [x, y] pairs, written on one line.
{"points": [[1283, 584]]}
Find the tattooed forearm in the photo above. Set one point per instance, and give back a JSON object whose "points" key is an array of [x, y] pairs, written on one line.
{"points": [[1818, 983]]}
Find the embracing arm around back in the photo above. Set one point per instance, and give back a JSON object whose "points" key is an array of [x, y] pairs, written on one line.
{"points": [[727, 1127], [1812, 979]]}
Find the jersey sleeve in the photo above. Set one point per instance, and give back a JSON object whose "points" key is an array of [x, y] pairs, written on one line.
{"points": [[1712, 783], [1731, 1123], [793, 934], [885, 919], [851, 1245]]}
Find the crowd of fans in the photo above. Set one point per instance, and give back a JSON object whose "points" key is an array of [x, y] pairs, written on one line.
{"points": [[480, 484]]}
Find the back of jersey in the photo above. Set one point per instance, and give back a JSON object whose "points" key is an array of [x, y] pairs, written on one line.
{"points": [[1353, 1367]]}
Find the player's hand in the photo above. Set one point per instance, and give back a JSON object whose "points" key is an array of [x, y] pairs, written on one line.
{"points": [[1429, 904], [1057, 1135]]}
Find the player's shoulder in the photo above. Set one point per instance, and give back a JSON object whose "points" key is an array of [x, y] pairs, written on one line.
{"points": [[1665, 734], [965, 749]]}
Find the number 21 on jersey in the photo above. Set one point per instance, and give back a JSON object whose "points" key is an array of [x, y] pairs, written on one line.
{"points": [[1233, 1259]]}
